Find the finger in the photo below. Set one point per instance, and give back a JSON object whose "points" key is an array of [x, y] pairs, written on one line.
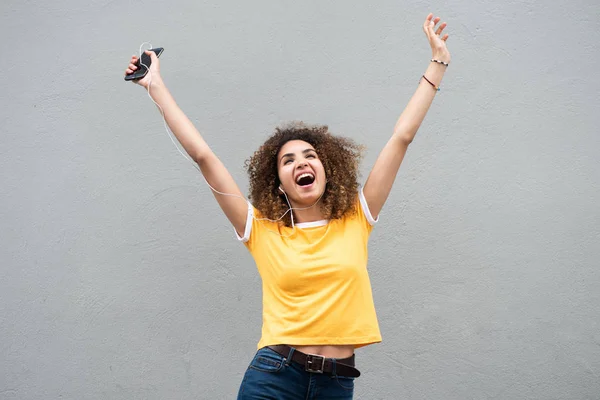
{"points": [[441, 28], [132, 67], [445, 37], [128, 71], [435, 22], [430, 28], [152, 55], [427, 22], [427, 25]]}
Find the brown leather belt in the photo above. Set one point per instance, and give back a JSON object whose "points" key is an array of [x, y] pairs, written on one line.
{"points": [[319, 364]]}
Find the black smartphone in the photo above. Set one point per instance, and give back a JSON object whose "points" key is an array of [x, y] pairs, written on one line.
{"points": [[143, 62]]}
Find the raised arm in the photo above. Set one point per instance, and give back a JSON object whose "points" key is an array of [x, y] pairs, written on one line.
{"points": [[382, 176], [215, 173]]}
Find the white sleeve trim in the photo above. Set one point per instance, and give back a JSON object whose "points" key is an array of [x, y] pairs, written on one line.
{"points": [[365, 208], [248, 229]]}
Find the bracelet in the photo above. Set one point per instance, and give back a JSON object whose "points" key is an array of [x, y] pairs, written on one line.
{"points": [[439, 62], [432, 84]]}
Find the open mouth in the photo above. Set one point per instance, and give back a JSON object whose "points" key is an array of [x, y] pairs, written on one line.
{"points": [[305, 179]]}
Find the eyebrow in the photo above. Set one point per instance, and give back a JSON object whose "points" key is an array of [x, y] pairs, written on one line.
{"points": [[292, 154]]}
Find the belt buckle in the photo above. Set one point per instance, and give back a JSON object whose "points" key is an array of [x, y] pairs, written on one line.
{"points": [[310, 361]]}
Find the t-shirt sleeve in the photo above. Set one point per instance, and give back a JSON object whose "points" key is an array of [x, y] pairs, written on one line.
{"points": [[248, 229], [255, 230], [364, 212]]}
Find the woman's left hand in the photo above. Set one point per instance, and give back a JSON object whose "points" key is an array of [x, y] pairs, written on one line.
{"points": [[437, 40]]}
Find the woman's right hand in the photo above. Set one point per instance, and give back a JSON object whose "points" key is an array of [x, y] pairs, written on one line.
{"points": [[153, 74]]}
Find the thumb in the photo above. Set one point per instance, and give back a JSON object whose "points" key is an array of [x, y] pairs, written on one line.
{"points": [[430, 27], [152, 55]]}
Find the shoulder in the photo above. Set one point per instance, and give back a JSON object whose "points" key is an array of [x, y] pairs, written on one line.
{"points": [[257, 227], [358, 215], [363, 208]]}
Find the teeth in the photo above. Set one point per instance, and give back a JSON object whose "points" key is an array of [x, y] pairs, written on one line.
{"points": [[303, 175]]}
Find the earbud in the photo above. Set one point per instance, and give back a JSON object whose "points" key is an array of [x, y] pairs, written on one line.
{"points": [[281, 190]]}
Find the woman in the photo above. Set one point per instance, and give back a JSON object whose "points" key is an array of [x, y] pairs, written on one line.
{"points": [[307, 230]]}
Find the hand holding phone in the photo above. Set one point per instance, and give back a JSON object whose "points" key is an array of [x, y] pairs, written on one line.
{"points": [[138, 67]]}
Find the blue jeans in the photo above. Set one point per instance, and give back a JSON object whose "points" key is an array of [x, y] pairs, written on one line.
{"points": [[272, 376]]}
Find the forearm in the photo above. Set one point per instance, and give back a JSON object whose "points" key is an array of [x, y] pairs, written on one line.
{"points": [[413, 115], [379, 184], [181, 126]]}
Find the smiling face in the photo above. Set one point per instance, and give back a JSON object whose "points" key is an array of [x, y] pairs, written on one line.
{"points": [[301, 173]]}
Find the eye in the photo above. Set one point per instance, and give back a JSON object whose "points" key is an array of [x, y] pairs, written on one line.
{"points": [[286, 162], [311, 156]]}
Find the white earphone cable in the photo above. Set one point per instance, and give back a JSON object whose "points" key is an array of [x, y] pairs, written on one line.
{"points": [[290, 208]]}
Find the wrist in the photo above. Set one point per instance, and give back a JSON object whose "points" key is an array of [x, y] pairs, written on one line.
{"points": [[155, 84], [441, 56], [156, 80], [157, 89]]}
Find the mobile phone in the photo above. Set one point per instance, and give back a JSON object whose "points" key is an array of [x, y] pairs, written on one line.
{"points": [[143, 62]]}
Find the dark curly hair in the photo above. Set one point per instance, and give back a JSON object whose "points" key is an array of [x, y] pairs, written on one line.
{"points": [[340, 157]]}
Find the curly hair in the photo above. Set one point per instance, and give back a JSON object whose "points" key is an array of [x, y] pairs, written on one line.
{"points": [[340, 157]]}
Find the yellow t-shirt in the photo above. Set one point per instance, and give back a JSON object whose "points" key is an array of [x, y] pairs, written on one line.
{"points": [[316, 288]]}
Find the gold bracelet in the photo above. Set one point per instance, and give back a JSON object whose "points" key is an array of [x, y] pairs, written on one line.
{"points": [[432, 84]]}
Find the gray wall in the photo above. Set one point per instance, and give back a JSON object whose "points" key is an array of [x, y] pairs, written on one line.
{"points": [[120, 278]]}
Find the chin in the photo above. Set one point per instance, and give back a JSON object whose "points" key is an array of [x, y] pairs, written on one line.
{"points": [[309, 195]]}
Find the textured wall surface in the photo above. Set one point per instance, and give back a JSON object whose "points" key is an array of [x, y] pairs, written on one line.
{"points": [[121, 279]]}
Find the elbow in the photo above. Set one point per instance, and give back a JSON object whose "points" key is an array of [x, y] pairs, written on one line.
{"points": [[404, 139], [407, 139], [405, 134], [200, 157]]}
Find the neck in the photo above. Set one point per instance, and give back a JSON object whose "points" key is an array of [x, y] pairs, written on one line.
{"points": [[309, 215]]}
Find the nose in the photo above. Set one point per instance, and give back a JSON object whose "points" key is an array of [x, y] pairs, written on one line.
{"points": [[302, 163]]}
